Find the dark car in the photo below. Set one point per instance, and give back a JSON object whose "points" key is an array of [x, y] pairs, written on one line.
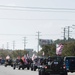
{"points": [[16, 63], [2, 61], [36, 63], [70, 63], [53, 66], [22, 65], [8, 62]]}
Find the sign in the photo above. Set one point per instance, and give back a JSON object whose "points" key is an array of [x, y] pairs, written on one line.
{"points": [[44, 42]]}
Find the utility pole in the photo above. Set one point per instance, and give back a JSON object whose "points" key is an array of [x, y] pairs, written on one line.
{"points": [[73, 27], [13, 45], [64, 34], [7, 45], [24, 43], [68, 32], [38, 41]]}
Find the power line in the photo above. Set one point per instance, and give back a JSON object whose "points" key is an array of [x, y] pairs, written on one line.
{"points": [[16, 35], [38, 19], [40, 10], [37, 8], [27, 34]]}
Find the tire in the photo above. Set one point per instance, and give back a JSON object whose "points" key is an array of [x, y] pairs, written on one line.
{"points": [[65, 73], [31, 69], [39, 72], [14, 68], [43, 73], [34, 68], [27, 68], [11, 65], [19, 68], [5, 65], [22, 68]]}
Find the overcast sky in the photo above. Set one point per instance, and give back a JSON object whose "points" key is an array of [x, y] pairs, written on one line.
{"points": [[18, 19]]}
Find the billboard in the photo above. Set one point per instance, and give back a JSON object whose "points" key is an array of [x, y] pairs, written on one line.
{"points": [[44, 42]]}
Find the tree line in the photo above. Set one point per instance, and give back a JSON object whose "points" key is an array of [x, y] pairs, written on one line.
{"points": [[68, 49], [49, 50], [12, 53]]}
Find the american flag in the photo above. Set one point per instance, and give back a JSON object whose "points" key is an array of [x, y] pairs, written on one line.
{"points": [[59, 48]]}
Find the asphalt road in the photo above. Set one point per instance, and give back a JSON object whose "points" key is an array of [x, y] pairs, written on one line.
{"points": [[9, 71]]}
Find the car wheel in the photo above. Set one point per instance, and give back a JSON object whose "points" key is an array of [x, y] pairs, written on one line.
{"points": [[39, 72], [5, 65], [27, 68], [13, 67], [65, 73], [34, 68], [18, 68], [31, 69], [23, 68]]}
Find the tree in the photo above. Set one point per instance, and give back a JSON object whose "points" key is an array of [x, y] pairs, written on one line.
{"points": [[49, 50], [68, 50]]}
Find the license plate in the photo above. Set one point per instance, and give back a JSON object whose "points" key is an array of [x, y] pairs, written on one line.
{"points": [[55, 62]]}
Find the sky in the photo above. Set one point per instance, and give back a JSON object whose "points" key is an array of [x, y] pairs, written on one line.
{"points": [[24, 18]]}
